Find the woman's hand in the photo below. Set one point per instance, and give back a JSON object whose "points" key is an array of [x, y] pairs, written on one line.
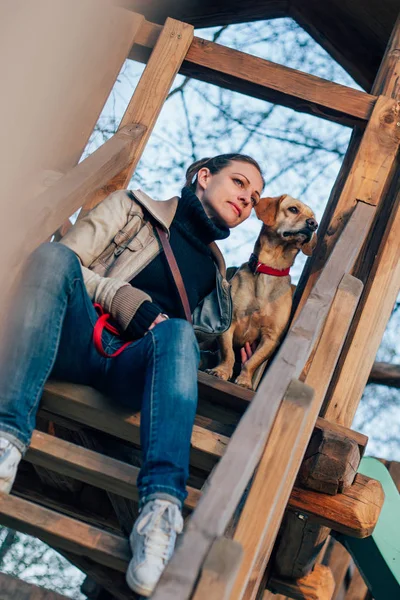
{"points": [[161, 317]]}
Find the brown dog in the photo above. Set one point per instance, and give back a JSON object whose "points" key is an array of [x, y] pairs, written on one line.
{"points": [[261, 289]]}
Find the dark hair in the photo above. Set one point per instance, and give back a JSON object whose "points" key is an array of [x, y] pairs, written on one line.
{"points": [[216, 164]]}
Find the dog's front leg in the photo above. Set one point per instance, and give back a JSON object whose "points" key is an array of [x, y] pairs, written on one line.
{"points": [[224, 369], [264, 350]]}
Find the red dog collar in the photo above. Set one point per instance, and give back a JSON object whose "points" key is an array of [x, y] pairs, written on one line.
{"points": [[258, 267]]}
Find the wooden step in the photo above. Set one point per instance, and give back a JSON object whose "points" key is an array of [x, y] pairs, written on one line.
{"points": [[354, 512], [88, 407], [63, 532]]}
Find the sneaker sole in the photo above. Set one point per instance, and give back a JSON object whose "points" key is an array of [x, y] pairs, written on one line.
{"points": [[136, 587]]}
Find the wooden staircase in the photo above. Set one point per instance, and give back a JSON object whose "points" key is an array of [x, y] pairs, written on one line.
{"points": [[283, 459]]}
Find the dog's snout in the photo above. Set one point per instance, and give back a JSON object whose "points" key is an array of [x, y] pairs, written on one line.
{"points": [[312, 224]]}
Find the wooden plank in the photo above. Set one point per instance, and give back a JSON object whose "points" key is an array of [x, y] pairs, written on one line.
{"points": [[12, 587], [369, 495], [387, 78], [87, 406], [377, 305], [64, 532], [233, 472], [119, 478], [318, 585], [66, 195], [90, 467], [219, 571], [147, 101], [260, 78], [272, 483], [301, 542], [374, 163], [319, 375]]}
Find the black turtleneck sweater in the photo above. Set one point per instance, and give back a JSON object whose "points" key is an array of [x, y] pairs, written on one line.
{"points": [[191, 232]]}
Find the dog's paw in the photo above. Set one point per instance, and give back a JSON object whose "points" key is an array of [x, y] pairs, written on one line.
{"points": [[220, 373], [244, 382]]}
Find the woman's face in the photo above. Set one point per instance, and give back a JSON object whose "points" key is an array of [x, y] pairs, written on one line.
{"points": [[229, 196]]}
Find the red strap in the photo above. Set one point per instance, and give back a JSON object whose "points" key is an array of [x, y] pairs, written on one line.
{"points": [[102, 323], [261, 268]]}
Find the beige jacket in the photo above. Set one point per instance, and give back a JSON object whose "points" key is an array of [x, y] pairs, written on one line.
{"points": [[116, 240]]}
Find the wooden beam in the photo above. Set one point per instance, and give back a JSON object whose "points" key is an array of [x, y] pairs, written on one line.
{"points": [[374, 163], [317, 585], [272, 484], [119, 478], [219, 571], [319, 375], [66, 533], [233, 472], [330, 463], [369, 495], [66, 195], [149, 97], [89, 407], [385, 374], [380, 260], [16, 589], [263, 79]]}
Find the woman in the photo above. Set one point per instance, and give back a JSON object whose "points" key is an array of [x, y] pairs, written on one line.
{"points": [[113, 257]]}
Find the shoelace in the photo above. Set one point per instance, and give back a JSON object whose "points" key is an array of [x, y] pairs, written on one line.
{"points": [[158, 527]]}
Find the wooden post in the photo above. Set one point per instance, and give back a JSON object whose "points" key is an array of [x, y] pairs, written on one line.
{"points": [[149, 97]]}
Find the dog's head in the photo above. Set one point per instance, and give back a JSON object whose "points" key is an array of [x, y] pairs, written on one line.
{"points": [[291, 220]]}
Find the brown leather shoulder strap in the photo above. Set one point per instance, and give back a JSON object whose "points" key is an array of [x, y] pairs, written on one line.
{"points": [[176, 274]]}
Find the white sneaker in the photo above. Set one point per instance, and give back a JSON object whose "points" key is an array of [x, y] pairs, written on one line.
{"points": [[152, 541], [9, 460]]}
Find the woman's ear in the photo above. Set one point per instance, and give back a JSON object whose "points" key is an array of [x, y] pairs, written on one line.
{"points": [[267, 209], [203, 176], [308, 248]]}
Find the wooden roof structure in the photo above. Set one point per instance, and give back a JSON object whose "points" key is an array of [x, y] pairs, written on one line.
{"points": [[283, 458], [354, 32]]}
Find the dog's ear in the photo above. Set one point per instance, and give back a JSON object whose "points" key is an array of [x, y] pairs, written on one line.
{"points": [[267, 209], [308, 248]]}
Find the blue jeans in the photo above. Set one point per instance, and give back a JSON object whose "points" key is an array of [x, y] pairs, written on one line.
{"points": [[50, 335]]}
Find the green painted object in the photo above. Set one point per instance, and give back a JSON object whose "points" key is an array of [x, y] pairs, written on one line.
{"points": [[378, 556]]}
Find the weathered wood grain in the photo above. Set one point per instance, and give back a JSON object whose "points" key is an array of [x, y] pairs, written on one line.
{"points": [[370, 498], [272, 484], [219, 571], [148, 99], [266, 80], [64, 532]]}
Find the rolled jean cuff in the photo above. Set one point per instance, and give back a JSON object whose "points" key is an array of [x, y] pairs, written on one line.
{"points": [[9, 435], [160, 495]]}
